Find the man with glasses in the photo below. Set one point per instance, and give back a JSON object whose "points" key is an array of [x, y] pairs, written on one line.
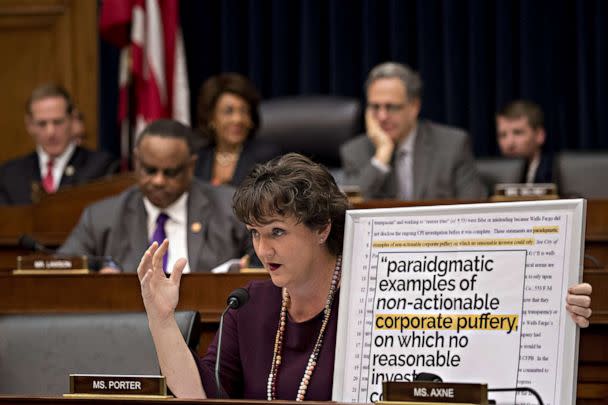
{"points": [[57, 160], [404, 157], [167, 202]]}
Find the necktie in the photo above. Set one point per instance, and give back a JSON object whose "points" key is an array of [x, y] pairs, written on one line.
{"points": [[47, 183], [159, 234], [404, 175]]}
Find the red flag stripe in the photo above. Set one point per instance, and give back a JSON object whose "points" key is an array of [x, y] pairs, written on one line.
{"points": [[156, 66]]}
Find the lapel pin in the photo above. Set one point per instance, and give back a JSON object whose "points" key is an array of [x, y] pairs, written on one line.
{"points": [[69, 170], [196, 227]]}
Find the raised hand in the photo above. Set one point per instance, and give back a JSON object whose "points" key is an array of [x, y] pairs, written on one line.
{"points": [[382, 141], [159, 292], [578, 303]]}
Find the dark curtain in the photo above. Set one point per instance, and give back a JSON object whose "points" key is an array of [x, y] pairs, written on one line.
{"points": [[474, 56]]}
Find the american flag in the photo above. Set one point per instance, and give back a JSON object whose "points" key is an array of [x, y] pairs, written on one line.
{"points": [[153, 81]]}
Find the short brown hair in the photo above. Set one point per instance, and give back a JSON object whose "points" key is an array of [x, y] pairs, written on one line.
{"points": [[49, 90], [213, 88], [293, 185], [523, 108]]}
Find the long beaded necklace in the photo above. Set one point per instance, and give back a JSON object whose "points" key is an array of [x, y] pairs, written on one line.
{"points": [[278, 341]]}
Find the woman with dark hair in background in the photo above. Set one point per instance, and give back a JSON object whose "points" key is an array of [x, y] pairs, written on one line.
{"points": [[228, 119]]}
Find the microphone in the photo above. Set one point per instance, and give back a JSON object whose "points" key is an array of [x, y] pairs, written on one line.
{"points": [[236, 299], [428, 377], [518, 389], [29, 243]]}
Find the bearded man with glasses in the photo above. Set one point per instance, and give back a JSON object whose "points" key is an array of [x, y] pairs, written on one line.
{"points": [[167, 203], [404, 157]]}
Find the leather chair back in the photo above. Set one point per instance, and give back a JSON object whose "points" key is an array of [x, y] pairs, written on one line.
{"points": [[499, 170], [314, 126], [583, 174], [39, 352]]}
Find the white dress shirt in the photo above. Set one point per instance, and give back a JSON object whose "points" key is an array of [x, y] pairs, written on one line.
{"points": [[532, 167], [175, 228], [59, 163]]}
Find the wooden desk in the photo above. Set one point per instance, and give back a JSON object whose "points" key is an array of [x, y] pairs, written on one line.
{"points": [[207, 294], [5, 400], [51, 220]]}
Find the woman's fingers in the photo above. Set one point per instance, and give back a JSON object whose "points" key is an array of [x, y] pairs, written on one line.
{"points": [[178, 268], [581, 289], [146, 261], [157, 258], [581, 321], [579, 300], [579, 311]]}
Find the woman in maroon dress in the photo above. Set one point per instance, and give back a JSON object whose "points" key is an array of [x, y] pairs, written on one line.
{"points": [[281, 344]]}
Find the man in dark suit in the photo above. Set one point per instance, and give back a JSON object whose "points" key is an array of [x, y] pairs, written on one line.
{"points": [[520, 133], [57, 161], [404, 157], [196, 217]]}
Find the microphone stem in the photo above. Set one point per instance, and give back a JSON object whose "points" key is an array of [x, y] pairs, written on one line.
{"points": [[519, 389], [218, 353]]}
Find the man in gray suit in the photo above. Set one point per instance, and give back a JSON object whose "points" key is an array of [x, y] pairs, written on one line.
{"points": [[402, 156], [196, 217]]}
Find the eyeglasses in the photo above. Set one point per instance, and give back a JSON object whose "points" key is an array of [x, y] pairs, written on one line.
{"points": [[169, 172], [388, 107]]}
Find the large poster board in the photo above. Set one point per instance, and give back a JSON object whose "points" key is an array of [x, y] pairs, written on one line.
{"points": [[473, 293]]}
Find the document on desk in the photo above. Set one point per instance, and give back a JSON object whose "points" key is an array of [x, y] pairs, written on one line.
{"points": [[473, 293]]}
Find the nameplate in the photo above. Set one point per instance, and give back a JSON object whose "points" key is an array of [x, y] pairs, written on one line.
{"points": [[353, 193], [50, 264], [519, 191], [129, 385], [422, 392]]}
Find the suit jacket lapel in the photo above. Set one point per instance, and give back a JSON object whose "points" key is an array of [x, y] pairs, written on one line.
{"points": [[198, 213], [205, 163], [70, 173], [136, 225], [246, 162], [423, 153], [33, 168]]}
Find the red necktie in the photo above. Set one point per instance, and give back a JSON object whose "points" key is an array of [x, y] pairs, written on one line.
{"points": [[47, 183]]}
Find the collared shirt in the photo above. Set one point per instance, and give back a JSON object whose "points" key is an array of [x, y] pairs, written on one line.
{"points": [[532, 167], [59, 163], [175, 228], [404, 165]]}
